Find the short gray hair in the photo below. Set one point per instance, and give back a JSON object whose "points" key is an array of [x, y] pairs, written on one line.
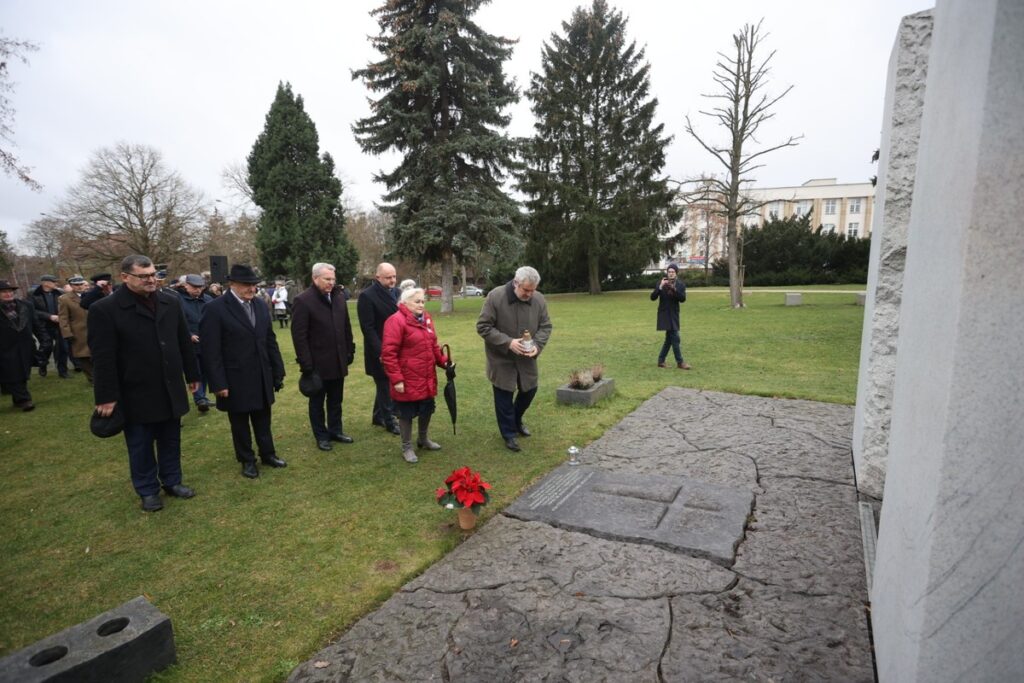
{"points": [[408, 294], [134, 260], [527, 275], [319, 268]]}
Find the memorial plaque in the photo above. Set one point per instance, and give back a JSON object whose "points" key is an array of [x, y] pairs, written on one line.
{"points": [[699, 518]]}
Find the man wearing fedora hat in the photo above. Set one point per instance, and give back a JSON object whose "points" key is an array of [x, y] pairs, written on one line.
{"points": [[322, 333], [243, 366], [18, 322], [141, 351]]}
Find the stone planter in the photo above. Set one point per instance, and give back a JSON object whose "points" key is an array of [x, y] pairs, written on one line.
{"points": [[585, 397]]}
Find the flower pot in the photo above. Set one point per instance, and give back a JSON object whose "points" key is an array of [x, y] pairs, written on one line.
{"points": [[585, 397], [467, 518]]}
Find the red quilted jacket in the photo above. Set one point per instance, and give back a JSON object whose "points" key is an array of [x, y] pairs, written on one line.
{"points": [[410, 354]]}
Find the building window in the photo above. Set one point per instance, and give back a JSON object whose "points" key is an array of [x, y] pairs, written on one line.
{"points": [[830, 208], [801, 208], [855, 205], [774, 210], [853, 229], [829, 229]]}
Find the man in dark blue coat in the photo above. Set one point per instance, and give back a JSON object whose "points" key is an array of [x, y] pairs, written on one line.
{"points": [[142, 356], [376, 304], [243, 366], [193, 301], [670, 292], [18, 322]]}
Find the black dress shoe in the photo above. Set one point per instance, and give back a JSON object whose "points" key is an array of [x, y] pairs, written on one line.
{"points": [[26, 405], [179, 491], [64, 375], [274, 461], [393, 428], [523, 431], [249, 470], [512, 444], [324, 445], [203, 406], [341, 438], [42, 373], [152, 503]]}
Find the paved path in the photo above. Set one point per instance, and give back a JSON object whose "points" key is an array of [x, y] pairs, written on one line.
{"points": [[528, 601]]}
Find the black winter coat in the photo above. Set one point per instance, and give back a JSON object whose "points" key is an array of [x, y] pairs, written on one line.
{"points": [[17, 348], [375, 305], [322, 333], [46, 304], [668, 299], [238, 357], [140, 360]]}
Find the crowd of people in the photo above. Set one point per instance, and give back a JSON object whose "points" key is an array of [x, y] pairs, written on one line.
{"points": [[148, 346]]}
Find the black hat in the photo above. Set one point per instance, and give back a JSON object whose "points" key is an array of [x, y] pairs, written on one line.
{"points": [[48, 278], [243, 274], [4, 284], [105, 427], [673, 266], [310, 383], [100, 276]]}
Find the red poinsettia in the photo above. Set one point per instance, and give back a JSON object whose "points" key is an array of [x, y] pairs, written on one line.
{"points": [[464, 489]]}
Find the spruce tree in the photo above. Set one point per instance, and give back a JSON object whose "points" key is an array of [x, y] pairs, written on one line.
{"points": [[442, 92], [598, 205], [302, 220]]}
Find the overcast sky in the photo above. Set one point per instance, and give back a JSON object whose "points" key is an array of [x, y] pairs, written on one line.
{"points": [[195, 78]]}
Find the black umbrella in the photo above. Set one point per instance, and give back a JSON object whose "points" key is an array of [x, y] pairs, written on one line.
{"points": [[449, 387]]}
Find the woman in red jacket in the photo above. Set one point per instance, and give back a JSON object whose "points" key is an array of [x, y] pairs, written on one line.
{"points": [[410, 356]]}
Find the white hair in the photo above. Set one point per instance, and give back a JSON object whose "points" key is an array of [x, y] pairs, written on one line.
{"points": [[409, 293], [527, 275], [319, 268], [407, 284]]}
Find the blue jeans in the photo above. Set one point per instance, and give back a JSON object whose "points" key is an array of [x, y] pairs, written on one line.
{"points": [[510, 411], [671, 340], [149, 468]]}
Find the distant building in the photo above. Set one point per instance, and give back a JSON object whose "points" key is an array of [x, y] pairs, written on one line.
{"points": [[844, 208]]}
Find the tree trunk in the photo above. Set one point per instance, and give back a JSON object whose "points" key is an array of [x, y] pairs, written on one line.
{"points": [[447, 270], [593, 276], [735, 286]]}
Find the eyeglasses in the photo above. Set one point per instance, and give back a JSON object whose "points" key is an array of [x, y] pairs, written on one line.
{"points": [[143, 276]]}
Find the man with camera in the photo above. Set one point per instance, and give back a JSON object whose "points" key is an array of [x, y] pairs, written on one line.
{"points": [[669, 293]]}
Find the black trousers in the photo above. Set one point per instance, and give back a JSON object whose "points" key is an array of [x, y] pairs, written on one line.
{"points": [[242, 440], [58, 348], [332, 394], [18, 391], [383, 406], [509, 410]]}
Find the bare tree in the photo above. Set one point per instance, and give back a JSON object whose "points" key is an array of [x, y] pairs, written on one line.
{"points": [[127, 201], [744, 108], [44, 238], [235, 179], [6, 256], [11, 49]]}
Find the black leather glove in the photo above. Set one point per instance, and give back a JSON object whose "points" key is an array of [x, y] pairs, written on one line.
{"points": [[350, 359], [278, 385]]}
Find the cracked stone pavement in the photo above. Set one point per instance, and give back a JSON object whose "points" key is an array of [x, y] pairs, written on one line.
{"points": [[525, 601]]}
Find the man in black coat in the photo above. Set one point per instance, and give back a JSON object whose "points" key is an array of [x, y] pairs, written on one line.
{"points": [[322, 333], [101, 287], [193, 301], [44, 297], [376, 304], [18, 322], [242, 365], [141, 353], [670, 292]]}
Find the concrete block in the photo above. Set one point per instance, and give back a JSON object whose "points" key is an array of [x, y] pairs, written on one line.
{"points": [[585, 397], [861, 298], [125, 645], [794, 299], [897, 166], [946, 596]]}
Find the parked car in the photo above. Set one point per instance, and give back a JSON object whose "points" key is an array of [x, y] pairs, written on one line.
{"points": [[472, 290], [433, 291]]}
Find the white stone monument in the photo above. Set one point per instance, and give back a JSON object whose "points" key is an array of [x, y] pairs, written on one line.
{"points": [[947, 599]]}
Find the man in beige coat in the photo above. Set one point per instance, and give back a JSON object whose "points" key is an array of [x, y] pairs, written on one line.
{"points": [[508, 314], [73, 323]]}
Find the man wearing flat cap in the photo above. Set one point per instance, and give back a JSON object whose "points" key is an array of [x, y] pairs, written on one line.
{"points": [[141, 353], [45, 299], [193, 301], [243, 366], [18, 322], [73, 324]]}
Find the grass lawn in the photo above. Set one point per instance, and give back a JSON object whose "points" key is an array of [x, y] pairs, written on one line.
{"points": [[258, 575]]}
